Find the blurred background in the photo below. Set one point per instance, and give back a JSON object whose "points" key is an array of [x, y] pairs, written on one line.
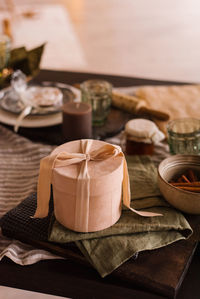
{"points": [[150, 39]]}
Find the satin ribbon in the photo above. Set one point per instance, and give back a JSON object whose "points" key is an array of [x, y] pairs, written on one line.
{"points": [[64, 159]]}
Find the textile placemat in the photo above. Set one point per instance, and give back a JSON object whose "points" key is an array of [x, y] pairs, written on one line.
{"points": [[109, 248], [19, 223], [19, 160]]}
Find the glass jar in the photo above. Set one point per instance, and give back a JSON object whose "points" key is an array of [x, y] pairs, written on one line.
{"points": [[98, 94], [141, 136], [184, 136]]}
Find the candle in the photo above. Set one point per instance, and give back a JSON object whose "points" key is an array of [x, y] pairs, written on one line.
{"points": [[77, 121]]}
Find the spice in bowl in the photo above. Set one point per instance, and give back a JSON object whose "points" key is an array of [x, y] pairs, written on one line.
{"points": [[178, 179], [187, 181]]}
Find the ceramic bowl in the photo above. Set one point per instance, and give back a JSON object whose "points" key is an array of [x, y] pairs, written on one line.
{"points": [[169, 170]]}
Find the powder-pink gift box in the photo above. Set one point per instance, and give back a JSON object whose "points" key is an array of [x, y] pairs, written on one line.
{"points": [[89, 180]]}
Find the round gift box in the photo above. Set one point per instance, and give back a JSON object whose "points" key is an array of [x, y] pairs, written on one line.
{"points": [[105, 189]]}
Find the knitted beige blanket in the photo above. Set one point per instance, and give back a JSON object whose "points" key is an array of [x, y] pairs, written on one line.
{"points": [[19, 160]]}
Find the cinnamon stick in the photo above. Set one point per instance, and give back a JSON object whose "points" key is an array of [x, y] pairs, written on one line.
{"points": [[192, 189], [192, 176], [180, 180], [185, 179], [186, 184]]}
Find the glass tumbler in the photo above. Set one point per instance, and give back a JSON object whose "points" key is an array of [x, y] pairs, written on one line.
{"points": [[5, 46], [98, 94], [184, 136]]}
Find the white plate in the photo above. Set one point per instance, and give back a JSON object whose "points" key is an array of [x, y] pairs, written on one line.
{"points": [[36, 121], [9, 118]]}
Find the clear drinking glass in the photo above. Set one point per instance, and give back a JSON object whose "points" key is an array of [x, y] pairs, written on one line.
{"points": [[98, 94], [184, 136], [5, 46]]}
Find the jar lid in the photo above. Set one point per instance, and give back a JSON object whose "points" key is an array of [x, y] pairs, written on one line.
{"points": [[143, 130]]}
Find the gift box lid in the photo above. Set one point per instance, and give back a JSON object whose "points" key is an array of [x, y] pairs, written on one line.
{"points": [[104, 174]]}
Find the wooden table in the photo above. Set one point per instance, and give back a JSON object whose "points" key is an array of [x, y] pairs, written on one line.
{"points": [[71, 278]]}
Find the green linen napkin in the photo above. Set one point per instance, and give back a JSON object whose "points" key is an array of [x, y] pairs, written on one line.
{"points": [[109, 248]]}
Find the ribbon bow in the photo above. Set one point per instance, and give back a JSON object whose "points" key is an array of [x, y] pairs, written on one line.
{"points": [[64, 159]]}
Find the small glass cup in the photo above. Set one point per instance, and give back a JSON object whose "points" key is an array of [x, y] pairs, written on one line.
{"points": [[5, 47], [98, 94], [184, 136]]}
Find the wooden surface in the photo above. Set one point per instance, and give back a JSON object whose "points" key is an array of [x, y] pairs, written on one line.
{"points": [[160, 271]]}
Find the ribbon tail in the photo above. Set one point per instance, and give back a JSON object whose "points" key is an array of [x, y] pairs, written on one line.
{"points": [[144, 213], [44, 186], [127, 195], [83, 192], [82, 200]]}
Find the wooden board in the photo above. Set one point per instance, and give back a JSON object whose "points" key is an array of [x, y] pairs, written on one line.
{"points": [[160, 271]]}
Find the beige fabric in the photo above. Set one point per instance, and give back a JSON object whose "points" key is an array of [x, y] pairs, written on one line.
{"points": [[17, 182], [177, 101]]}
